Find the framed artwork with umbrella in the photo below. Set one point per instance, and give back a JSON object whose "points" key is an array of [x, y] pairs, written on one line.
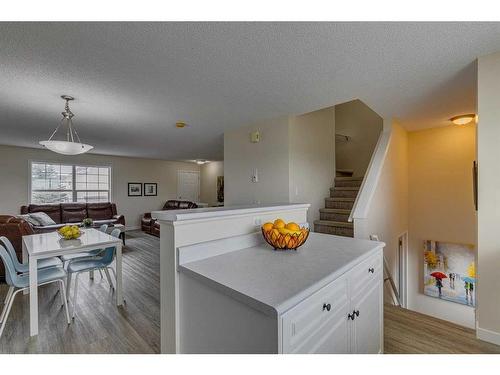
{"points": [[449, 272]]}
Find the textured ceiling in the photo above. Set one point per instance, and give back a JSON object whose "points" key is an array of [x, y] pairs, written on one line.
{"points": [[133, 81]]}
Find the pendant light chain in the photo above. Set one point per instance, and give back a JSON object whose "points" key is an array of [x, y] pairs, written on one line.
{"points": [[73, 144]]}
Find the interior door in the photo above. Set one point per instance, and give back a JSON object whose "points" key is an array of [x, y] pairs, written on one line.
{"points": [[188, 186], [367, 324]]}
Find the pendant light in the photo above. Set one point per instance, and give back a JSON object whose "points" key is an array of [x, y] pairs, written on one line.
{"points": [[72, 144]]}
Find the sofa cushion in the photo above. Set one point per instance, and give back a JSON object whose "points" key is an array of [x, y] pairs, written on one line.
{"points": [[73, 212], [42, 218], [30, 219], [52, 210], [100, 211]]}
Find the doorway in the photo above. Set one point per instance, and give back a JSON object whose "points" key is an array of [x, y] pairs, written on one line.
{"points": [[403, 269], [188, 186]]}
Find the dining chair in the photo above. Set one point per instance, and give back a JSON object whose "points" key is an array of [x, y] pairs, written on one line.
{"points": [[20, 282], [101, 262], [85, 254], [23, 268]]}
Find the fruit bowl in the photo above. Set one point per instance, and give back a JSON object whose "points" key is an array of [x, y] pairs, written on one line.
{"points": [[70, 232], [285, 239]]}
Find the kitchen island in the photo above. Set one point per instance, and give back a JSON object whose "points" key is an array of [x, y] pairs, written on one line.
{"points": [[234, 294]]}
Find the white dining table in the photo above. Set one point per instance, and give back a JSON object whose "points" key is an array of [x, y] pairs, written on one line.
{"points": [[46, 245]]}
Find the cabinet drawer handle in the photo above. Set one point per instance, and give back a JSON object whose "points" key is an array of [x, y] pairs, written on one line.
{"points": [[327, 307], [372, 270]]}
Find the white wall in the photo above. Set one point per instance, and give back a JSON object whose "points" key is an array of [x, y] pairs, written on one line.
{"points": [[208, 181], [441, 207], [15, 175], [270, 156], [388, 211], [358, 121], [488, 156], [295, 160], [312, 159]]}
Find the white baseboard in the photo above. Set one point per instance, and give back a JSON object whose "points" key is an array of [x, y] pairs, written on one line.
{"points": [[487, 335]]}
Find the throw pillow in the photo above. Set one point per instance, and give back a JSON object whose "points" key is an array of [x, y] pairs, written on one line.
{"points": [[43, 218], [29, 219]]}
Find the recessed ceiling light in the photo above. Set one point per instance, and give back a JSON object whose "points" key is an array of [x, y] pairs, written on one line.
{"points": [[180, 124], [463, 119], [201, 162]]}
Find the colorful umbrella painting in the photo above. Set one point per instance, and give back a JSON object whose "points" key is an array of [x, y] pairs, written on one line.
{"points": [[449, 272]]}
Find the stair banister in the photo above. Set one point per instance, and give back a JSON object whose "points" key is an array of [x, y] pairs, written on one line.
{"points": [[370, 181]]}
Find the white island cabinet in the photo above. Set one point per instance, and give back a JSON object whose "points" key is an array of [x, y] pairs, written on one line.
{"points": [[230, 292]]}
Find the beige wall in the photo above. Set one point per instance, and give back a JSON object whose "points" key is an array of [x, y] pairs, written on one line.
{"points": [[295, 160], [312, 159], [488, 156], [208, 181], [441, 207], [388, 212], [15, 174], [269, 156], [356, 120]]}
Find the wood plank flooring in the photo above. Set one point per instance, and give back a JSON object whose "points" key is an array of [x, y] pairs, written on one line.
{"points": [[407, 332], [101, 327]]}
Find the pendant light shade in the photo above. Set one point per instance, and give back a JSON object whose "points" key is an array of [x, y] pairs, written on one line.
{"points": [[71, 145]]}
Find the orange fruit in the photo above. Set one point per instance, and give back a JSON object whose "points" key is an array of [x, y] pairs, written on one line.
{"points": [[274, 234], [267, 227], [292, 226], [284, 231], [279, 223]]}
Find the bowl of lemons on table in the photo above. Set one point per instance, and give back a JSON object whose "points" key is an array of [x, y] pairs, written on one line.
{"points": [[284, 236], [70, 232]]}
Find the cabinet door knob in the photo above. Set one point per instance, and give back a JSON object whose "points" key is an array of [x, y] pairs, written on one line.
{"points": [[350, 316], [356, 312], [372, 270], [327, 307]]}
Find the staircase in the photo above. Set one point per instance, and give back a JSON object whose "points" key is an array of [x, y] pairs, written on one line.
{"points": [[334, 217]]}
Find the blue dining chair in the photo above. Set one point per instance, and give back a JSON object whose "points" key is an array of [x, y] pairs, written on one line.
{"points": [[23, 268], [20, 282], [85, 254], [101, 262]]}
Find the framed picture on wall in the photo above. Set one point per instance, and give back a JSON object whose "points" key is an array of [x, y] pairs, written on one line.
{"points": [[150, 189], [134, 189]]}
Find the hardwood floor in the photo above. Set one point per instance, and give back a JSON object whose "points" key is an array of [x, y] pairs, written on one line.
{"points": [[101, 327], [408, 332]]}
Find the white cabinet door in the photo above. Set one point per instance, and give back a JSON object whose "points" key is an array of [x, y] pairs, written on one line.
{"points": [[367, 324], [319, 323]]}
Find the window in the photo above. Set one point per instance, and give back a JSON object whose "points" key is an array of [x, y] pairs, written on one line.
{"points": [[60, 183]]}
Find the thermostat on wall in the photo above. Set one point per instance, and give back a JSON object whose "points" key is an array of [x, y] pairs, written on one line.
{"points": [[255, 137]]}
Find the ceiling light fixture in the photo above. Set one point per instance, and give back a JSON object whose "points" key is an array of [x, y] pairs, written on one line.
{"points": [[201, 162], [463, 119], [180, 124], [72, 145]]}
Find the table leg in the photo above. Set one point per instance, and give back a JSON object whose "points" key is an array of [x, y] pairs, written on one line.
{"points": [[122, 235], [33, 276], [119, 291], [25, 261]]}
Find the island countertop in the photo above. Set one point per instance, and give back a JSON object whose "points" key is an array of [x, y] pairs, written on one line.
{"points": [[274, 281]]}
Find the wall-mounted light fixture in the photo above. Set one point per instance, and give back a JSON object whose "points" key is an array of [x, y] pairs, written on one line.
{"points": [[463, 119]]}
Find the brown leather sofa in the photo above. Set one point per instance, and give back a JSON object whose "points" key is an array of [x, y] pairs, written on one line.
{"points": [[14, 229], [149, 225], [74, 213]]}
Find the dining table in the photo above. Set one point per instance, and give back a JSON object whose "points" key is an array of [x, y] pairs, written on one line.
{"points": [[45, 245]]}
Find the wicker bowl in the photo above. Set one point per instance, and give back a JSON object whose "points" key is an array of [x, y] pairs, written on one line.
{"points": [[285, 241]]}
